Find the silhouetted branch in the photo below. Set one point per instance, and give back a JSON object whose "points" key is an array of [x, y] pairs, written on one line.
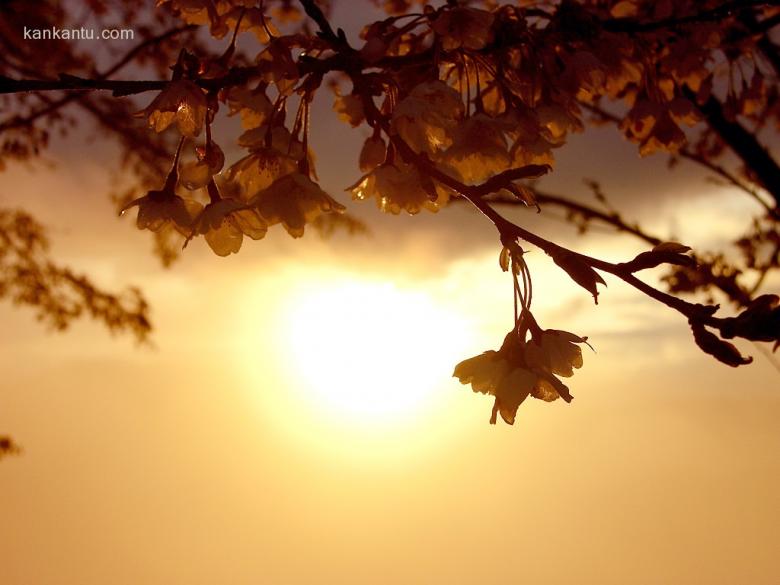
{"points": [[236, 76], [315, 13], [744, 144], [773, 261], [613, 219], [688, 154], [73, 83], [730, 178], [725, 10]]}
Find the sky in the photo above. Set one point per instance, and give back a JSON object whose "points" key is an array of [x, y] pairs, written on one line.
{"points": [[295, 420]]}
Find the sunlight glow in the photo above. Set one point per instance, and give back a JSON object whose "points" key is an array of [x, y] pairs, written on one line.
{"points": [[371, 352]]}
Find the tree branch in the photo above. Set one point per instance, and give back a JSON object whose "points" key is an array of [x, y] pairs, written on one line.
{"points": [[730, 178], [315, 13], [743, 143], [764, 43], [71, 83], [586, 211], [236, 76], [698, 159], [510, 232], [725, 10]]}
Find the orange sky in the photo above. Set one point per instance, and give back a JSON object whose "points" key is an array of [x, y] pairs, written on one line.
{"points": [[209, 459], [213, 457]]}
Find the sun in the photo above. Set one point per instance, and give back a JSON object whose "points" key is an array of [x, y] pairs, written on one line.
{"points": [[370, 352]]}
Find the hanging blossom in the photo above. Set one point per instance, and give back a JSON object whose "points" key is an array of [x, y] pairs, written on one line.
{"points": [[426, 118], [373, 153], [399, 186], [293, 201], [523, 368], [164, 208], [469, 28], [274, 179], [274, 153], [225, 221], [253, 105], [183, 102], [479, 149], [198, 173]]}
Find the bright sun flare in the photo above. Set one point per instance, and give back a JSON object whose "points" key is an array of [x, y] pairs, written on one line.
{"points": [[372, 352]]}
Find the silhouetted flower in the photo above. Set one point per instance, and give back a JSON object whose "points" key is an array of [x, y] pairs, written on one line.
{"points": [[274, 154], [490, 373], [426, 117], [555, 351], [294, 200], [398, 186], [183, 102], [164, 207], [464, 27], [225, 221], [479, 148], [521, 368], [197, 174], [372, 154]]}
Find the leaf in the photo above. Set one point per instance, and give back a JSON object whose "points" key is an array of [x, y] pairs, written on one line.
{"points": [[713, 345], [579, 271], [673, 247], [666, 253]]}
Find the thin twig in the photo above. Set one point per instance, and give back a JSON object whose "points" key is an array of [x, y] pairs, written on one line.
{"points": [[725, 10]]}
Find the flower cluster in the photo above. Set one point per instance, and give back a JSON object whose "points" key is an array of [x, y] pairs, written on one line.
{"points": [[399, 186], [271, 185], [274, 179], [426, 117], [293, 201], [523, 368]]}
